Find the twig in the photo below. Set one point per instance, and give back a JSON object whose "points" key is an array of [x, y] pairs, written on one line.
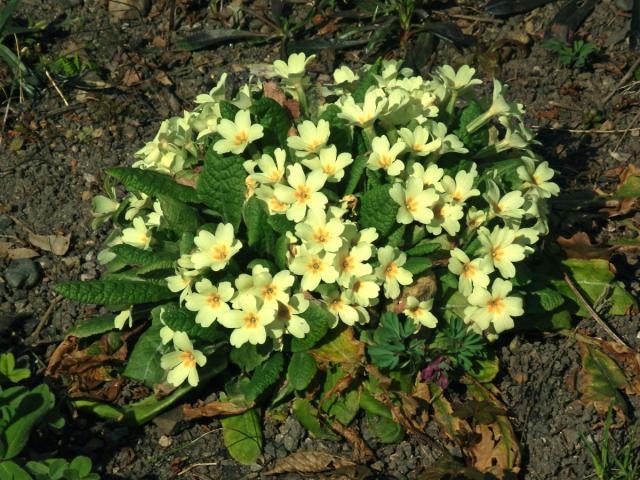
{"points": [[195, 465], [626, 77], [6, 114], [55, 85], [633, 122], [593, 313], [574, 130], [44, 319]]}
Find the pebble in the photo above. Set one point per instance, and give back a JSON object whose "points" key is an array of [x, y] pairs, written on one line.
{"points": [[22, 273], [5, 222], [165, 441]]}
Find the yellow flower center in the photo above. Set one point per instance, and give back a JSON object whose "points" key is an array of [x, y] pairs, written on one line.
{"points": [[302, 194], [457, 196], [391, 270], [363, 118], [314, 144], [275, 175], [220, 252], [321, 235], [347, 264], [276, 205], [269, 292], [468, 270], [536, 179], [144, 238], [250, 320], [336, 305], [418, 147], [416, 311], [497, 253], [411, 204], [241, 137], [315, 265], [329, 169], [495, 305], [188, 359], [213, 300], [384, 160]]}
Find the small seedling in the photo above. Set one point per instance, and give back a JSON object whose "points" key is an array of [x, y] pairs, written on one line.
{"points": [[575, 55]]}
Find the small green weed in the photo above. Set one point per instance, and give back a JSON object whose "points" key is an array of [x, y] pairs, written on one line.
{"points": [[623, 464], [69, 66], [575, 55]]}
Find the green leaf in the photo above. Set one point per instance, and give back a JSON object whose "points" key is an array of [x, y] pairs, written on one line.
{"points": [[264, 376], [476, 140], [248, 356], [153, 184], [549, 299], [280, 251], [82, 465], [228, 110], [597, 283], [417, 265], [378, 210], [12, 471], [221, 186], [243, 436], [93, 326], [114, 292], [26, 409], [180, 216], [144, 362], [8, 370], [281, 224], [274, 119], [307, 415], [302, 369], [259, 233], [601, 379], [385, 429], [356, 170], [340, 134], [138, 257], [319, 319], [424, 247], [342, 406]]}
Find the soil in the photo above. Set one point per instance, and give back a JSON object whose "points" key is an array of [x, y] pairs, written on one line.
{"points": [[142, 77]]}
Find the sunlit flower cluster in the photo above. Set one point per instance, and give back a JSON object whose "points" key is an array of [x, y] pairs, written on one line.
{"points": [[404, 134]]}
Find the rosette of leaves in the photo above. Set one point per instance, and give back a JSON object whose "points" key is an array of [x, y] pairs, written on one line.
{"points": [[267, 236]]}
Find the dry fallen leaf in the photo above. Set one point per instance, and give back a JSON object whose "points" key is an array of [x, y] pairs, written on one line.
{"points": [[56, 244], [580, 246], [9, 251], [309, 462], [213, 409]]}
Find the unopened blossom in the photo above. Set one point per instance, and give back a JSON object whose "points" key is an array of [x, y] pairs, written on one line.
{"points": [[314, 268], [391, 272], [101, 205], [302, 192], [384, 156], [183, 362], [238, 134], [499, 107], [293, 69], [419, 140], [415, 203], [311, 138], [271, 170], [137, 236], [460, 189], [248, 321], [330, 163], [507, 206], [215, 250], [319, 233], [125, 316], [375, 103], [215, 95], [420, 312], [209, 301], [471, 273], [493, 308], [536, 177], [500, 250]]}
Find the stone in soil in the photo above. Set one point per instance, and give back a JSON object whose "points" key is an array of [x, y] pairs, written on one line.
{"points": [[22, 273]]}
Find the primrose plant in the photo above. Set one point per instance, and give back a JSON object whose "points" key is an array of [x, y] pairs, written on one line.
{"points": [[373, 211]]}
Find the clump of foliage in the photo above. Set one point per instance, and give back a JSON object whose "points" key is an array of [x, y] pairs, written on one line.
{"points": [[574, 55], [347, 247], [22, 411]]}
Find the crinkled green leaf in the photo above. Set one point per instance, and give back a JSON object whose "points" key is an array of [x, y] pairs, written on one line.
{"points": [[259, 233], [144, 362], [93, 326], [307, 415], [228, 110], [114, 292], [378, 210], [340, 133], [183, 320], [424, 247], [264, 376], [153, 183], [221, 185], [385, 429], [302, 369], [355, 172], [319, 319], [417, 265], [549, 299], [249, 356], [180, 216], [343, 406], [275, 120], [243, 436], [138, 257]]}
